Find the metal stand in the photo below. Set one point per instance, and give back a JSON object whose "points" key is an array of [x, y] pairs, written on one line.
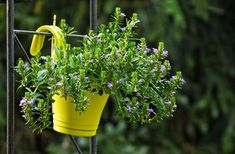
{"points": [[93, 15], [93, 26], [11, 34], [10, 75], [93, 145]]}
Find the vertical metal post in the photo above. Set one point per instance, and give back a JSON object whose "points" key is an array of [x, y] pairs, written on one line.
{"points": [[10, 74], [93, 26], [93, 15], [93, 145]]}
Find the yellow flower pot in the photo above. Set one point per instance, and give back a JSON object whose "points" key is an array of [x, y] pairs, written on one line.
{"points": [[67, 121]]}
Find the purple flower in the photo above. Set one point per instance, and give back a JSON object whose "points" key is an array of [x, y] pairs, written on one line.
{"points": [[75, 77], [146, 97], [32, 101], [155, 51], [129, 108], [109, 85], [138, 46], [183, 81], [43, 71], [122, 15], [53, 63], [150, 110], [165, 53], [147, 50], [168, 102], [92, 61], [26, 66], [23, 102], [174, 106], [163, 68], [120, 81]]}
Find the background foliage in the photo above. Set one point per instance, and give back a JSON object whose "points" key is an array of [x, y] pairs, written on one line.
{"points": [[199, 37]]}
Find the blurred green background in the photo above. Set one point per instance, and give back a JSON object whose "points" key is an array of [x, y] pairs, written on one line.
{"points": [[199, 35]]}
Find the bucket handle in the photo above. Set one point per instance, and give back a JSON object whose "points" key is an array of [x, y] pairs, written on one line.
{"points": [[38, 40]]}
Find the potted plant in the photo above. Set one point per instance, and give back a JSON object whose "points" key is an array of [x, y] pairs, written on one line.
{"points": [[111, 62]]}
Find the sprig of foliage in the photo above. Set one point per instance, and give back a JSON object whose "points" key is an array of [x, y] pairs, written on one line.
{"points": [[111, 61], [65, 28]]}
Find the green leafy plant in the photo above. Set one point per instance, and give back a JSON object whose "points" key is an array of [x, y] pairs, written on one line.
{"points": [[113, 61]]}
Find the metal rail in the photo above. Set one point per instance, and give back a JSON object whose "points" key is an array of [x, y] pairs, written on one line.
{"points": [[10, 75], [17, 31], [93, 145], [93, 15], [93, 26]]}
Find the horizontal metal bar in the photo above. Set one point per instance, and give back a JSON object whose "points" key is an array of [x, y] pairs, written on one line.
{"points": [[17, 1], [17, 31]]}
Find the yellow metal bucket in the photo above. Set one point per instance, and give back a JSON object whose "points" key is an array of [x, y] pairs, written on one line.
{"points": [[67, 121]]}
